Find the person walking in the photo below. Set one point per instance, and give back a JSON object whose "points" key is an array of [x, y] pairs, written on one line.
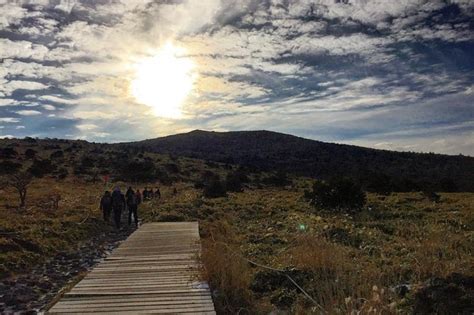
{"points": [[106, 205], [157, 193], [129, 192], [118, 205], [132, 204]]}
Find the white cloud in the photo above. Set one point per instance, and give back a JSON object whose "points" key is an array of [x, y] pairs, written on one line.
{"points": [[57, 99], [8, 87], [21, 49], [49, 107], [8, 102], [11, 13], [28, 112], [86, 127], [9, 120]]}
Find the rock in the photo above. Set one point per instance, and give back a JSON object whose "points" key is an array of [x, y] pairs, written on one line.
{"points": [[401, 290]]}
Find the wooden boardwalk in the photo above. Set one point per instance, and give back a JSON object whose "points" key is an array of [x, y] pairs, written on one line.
{"points": [[153, 272]]}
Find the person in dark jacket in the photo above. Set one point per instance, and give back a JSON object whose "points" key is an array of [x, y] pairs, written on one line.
{"points": [[157, 193], [132, 204], [129, 192], [145, 194], [106, 205], [118, 205]]}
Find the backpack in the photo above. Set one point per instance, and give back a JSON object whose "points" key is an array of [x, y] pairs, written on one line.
{"points": [[132, 200], [106, 201], [117, 199]]}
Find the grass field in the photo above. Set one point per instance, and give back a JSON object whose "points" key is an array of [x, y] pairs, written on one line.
{"points": [[375, 261]]}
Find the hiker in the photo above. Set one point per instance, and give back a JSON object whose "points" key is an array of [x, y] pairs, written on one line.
{"points": [[106, 205], [139, 197], [132, 204], [129, 192], [118, 205], [157, 193], [149, 194]]}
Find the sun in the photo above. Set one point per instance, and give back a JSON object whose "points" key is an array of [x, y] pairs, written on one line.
{"points": [[164, 81]]}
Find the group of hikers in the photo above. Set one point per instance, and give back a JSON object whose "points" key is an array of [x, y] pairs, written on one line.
{"points": [[117, 202]]}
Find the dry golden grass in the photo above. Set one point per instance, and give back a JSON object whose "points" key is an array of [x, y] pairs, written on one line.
{"points": [[224, 268], [356, 259]]}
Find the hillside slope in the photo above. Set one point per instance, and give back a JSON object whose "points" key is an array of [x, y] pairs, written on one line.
{"points": [[265, 150]]}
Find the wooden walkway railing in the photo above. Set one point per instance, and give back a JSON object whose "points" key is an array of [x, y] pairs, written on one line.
{"points": [[153, 272]]}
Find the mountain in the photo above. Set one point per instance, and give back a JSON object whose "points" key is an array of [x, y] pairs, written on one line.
{"points": [[272, 151]]}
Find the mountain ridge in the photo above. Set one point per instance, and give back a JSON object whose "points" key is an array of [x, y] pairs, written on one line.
{"points": [[272, 151]]}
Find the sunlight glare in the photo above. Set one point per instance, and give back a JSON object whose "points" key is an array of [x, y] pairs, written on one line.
{"points": [[164, 81]]}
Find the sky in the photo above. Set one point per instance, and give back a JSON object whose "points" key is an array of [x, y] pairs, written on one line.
{"points": [[395, 75]]}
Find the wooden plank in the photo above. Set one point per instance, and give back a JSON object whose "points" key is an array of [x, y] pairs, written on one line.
{"points": [[153, 271]]}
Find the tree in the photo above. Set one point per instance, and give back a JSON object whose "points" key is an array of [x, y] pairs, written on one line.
{"points": [[20, 182], [337, 194]]}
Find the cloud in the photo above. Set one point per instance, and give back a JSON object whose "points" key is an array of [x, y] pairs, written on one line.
{"points": [[9, 120], [8, 87], [8, 102], [57, 99], [86, 127], [337, 70], [49, 107], [27, 112]]}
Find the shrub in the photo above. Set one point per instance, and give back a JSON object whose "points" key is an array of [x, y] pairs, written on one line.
{"points": [[172, 168], [57, 154], [280, 179], [138, 171], [164, 177], [30, 153], [8, 153], [62, 173], [234, 181], [448, 185], [379, 183], [214, 189], [39, 168], [8, 167], [340, 194]]}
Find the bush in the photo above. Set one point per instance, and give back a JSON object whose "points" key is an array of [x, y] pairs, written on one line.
{"points": [[280, 179], [30, 153], [379, 183], [57, 154], [62, 173], [41, 168], [340, 194], [214, 189], [8, 167], [233, 182], [172, 168], [138, 171], [8, 153]]}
